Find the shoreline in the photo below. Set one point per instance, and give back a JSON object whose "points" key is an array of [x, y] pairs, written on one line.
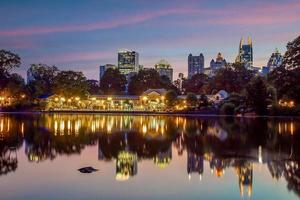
{"points": [[144, 113]]}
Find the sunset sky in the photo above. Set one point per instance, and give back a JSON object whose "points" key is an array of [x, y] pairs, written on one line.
{"points": [[81, 35]]}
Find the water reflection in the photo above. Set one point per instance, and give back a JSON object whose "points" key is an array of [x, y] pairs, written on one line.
{"points": [[127, 140]]}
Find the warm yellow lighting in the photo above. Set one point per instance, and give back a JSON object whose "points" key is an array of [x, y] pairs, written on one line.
{"points": [[109, 98], [62, 99], [94, 98], [69, 100], [56, 99], [77, 98], [145, 98], [162, 98], [23, 96]]}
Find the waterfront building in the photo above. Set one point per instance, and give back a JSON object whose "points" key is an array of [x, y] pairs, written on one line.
{"points": [[195, 65], [275, 60], [245, 54], [103, 68], [164, 69], [219, 63], [128, 62]]}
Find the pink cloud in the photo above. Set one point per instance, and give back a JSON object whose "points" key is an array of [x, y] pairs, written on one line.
{"points": [[126, 20], [18, 44]]}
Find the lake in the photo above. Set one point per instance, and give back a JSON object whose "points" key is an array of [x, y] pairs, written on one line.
{"points": [[148, 157]]}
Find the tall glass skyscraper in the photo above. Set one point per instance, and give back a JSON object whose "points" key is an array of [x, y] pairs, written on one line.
{"points": [[128, 61], [245, 54], [195, 65]]}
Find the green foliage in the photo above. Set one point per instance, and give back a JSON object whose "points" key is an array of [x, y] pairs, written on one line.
{"points": [[148, 79], [191, 100], [113, 82], [171, 98], [227, 109], [70, 84], [43, 79], [291, 59], [257, 95], [232, 79], [198, 84]]}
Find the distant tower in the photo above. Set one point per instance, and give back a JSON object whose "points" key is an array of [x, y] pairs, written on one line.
{"points": [[164, 69], [195, 65], [245, 54]]}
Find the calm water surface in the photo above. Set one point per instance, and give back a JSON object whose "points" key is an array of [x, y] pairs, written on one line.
{"points": [[148, 157]]}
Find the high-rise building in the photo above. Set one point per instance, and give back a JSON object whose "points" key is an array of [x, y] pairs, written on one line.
{"points": [[275, 60], [245, 54], [219, 63], [164, 69], [195, 65], [128, 62], [103, 68]]}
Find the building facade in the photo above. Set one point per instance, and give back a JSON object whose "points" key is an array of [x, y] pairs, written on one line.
{"points": [[245, 54], [195, 65], [164, 69], [128, 62], [103, 68], [275, 60], [220, 62]]}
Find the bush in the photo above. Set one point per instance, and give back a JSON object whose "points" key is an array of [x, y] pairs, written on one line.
{"points": [[227, 109]]}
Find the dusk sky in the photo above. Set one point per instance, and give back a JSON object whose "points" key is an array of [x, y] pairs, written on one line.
{"points": [[81, 35]]}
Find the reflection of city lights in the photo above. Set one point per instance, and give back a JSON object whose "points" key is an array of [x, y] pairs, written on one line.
{"points": [[260, 155]]}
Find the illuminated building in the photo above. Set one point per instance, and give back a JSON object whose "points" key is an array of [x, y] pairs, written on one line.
{"points": [[126, 165], [103, 68], [128, 62], [164, 69], [218, 64], [275, 60], [195, 65], [245, 54]]}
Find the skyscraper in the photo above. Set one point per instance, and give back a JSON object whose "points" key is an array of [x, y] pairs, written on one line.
{"points": [[275, 60], [245, 54], [128, 61], [164, 69], [219, 63], [195, 65]]}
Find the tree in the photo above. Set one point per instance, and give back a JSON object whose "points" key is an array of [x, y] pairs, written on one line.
{"points": [[147, 79], [197, 84], [286, 78], [257, 95], [15, 86], [203, 101], [113, 82], [93, 87], [171, 98], [42, 79], [227, 109], [191, 100], [291, 59], [70, 83], [8, 61]]}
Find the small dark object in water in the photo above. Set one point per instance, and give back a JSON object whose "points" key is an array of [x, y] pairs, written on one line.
{"points": [[87, 170]]}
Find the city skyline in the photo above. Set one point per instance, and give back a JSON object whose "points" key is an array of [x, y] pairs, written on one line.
{"points": [[83, 36]]}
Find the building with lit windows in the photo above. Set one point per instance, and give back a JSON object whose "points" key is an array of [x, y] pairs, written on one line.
{"points": [[275, 60], [219, 63], [164, 69], [128, 62], [195, 65], [245, 54]]}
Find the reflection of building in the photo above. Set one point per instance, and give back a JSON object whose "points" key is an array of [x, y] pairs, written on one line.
{"points": [[164, 69], [195, 65], [245, 174], [163, 159], [218, 64], [195, 163], [218, 165], [126, 165], [245, 54], [128, 62], [103, 68]]}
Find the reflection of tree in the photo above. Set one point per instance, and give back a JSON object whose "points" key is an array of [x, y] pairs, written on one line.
{"points": [[8, 161], [292, 176]]}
